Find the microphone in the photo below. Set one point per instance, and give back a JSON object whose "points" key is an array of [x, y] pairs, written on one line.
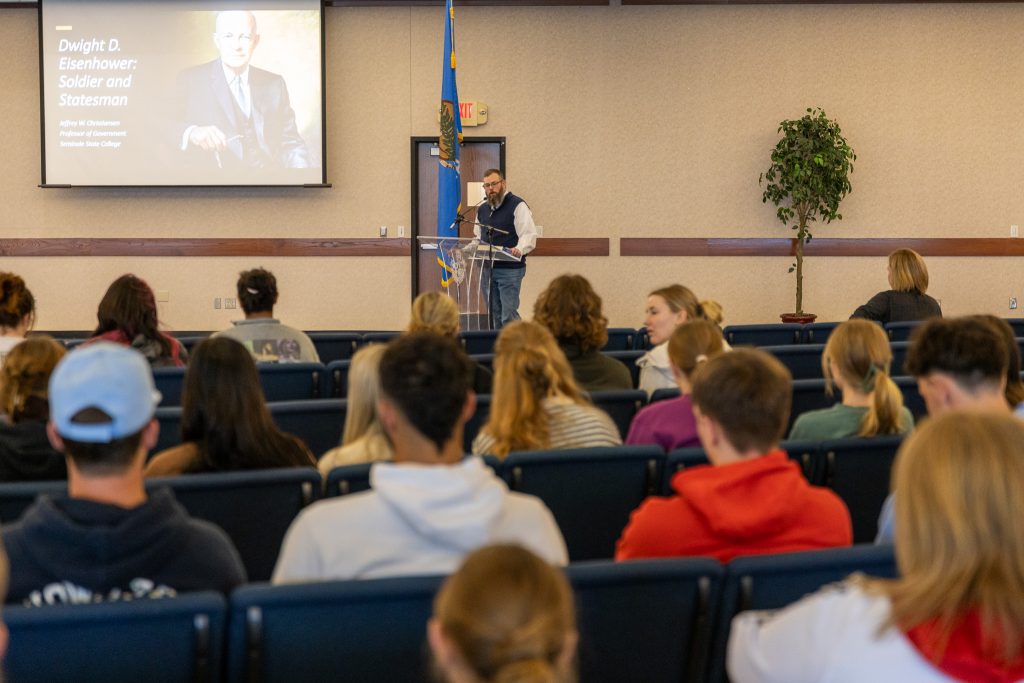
{"points": [[461, 217]]}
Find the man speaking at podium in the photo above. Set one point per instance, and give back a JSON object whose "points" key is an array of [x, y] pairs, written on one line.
{"points": [[505, 211]]}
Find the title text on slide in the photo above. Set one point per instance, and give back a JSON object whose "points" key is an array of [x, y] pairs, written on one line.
{"points": [[86, 46]]}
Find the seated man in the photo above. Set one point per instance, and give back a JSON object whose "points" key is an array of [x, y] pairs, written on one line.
{"points": [[108, 540], [960, 364], [267, 339], [431, 506], [752, 499]]}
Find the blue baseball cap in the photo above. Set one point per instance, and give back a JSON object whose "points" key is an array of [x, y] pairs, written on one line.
{"points": [[113, 378]]}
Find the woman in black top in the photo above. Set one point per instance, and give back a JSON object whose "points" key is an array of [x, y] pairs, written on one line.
{"points": [[906, 301]]}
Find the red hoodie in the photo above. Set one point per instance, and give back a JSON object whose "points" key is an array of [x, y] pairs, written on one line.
{"points": [[971, 653], [762, 505]]}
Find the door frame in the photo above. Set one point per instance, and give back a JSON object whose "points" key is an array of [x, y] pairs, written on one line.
{"points": [[414, 230]]}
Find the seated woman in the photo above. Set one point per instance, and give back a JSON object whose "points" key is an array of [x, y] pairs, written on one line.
{"points": [[505, 615], [955, 613], [225, 424], [127, 316], [364, 439], [571, 310], [856, 360], [667, 308], [17, 312], [437, 312], [906, 299], [670, 423], [536, 403], [25, 450]]}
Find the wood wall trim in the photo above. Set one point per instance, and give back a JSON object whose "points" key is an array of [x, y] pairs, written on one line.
{"points": [[855, 246], [309, 247]]}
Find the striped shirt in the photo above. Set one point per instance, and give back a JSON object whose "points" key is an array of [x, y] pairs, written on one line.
{"points": [[571, 425]]}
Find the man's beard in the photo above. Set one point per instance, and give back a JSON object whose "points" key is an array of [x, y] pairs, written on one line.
{"points": [[494, 200]]}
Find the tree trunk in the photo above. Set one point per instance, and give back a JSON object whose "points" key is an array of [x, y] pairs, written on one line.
{"points": [[801, 234]]}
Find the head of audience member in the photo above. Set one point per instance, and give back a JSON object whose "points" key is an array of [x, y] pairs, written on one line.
{"points": [[129, 307], [361, 419], [571, 309], [102, 402], [741, 401], [960, 530], [506, 615], [427, 397], [236, 38], [857, 360], [959, 363], [435, 312], [25, 378], [257, 293], [494, 186], [691, 344], [907, 272], [224, 413], [671, 306], [528, 369], [1014, 386], [17, 306]]}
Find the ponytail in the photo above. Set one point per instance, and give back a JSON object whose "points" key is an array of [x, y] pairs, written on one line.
{"points": [[886, 407]]}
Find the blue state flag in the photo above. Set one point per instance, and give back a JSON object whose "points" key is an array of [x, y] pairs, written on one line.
{"points": [[449, 181]]}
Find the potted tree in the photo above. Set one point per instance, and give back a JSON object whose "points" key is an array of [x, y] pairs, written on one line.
{"points": [[809, 176]]}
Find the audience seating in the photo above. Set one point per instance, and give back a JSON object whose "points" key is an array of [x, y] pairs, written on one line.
{"points": [[377, 338], [169, 382], [803, 453], [641, 342], [291, 381], [191, 340], [157, 641], [621, 406], [590, 491], [900, 331], [665, 393], [478, 420], [818, 333], [645, 620], [1018, 326], [620, 339], [16, 497], [337, 379], [319, 423], [334, 346], [809, 394], [254, 507], [761, 582], [368, 631], [859, 470], [629, 359], [802, 360], [899, 358], [479, 341], [912, 398], [169, 418], [484, 359], [763, 335], [347, 479]]}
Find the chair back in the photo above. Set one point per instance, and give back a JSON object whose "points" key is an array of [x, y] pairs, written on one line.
{"points": [[291, 381], [809, 394], [774, 334], [620, 339], [473, 425], [347, 479], [621, 406], [337, 378], [16, 497], [332, 346], [169, 418], [319, 423], [818, 333], [802, 360], [859, 471], [479, 341], [629, 359], [901, 331], [169, 382]]}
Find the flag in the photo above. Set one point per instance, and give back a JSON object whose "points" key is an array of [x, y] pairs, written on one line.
{"points": [[449, 181]]}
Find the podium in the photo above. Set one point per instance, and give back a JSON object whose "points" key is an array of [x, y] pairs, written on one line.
{"points": [[470, 262]]}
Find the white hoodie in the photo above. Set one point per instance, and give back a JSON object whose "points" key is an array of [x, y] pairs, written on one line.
{"points": [[416, 519]]}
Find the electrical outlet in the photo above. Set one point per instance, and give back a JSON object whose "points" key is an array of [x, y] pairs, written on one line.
{"points": [[383, 231], [230, 303], [401, 231], [1013, 303], [540, 230], [216, 303]]}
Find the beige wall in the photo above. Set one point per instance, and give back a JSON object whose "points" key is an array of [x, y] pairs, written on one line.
{"points": [[620, 122]]}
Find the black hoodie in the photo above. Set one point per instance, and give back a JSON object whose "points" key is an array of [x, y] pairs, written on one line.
{"points": [[26, 453], [77, 551]]}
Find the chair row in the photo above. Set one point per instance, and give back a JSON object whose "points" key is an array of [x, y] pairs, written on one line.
{"points": [[657, 621]]}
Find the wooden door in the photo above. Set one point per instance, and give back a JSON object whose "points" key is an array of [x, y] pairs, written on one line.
{"points": [[475, 156]]}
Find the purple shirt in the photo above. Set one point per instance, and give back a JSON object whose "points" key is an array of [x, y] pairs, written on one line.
{"points": [[669, 424]]}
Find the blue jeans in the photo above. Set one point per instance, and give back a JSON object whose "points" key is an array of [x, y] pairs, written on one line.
{"points": [[505, 284]]}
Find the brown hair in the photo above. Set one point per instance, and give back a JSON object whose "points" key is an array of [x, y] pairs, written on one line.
{"points": [[528, 368], [680, 298], [223, 412], [15, 300], [693, 343], [968, 349], [509, 615], [257, 291], [748, 393], [130, 307], [909, 273], [960, 522], [1014, 386], [571, 309], [859, 352], [25, 376], [435, 312]]}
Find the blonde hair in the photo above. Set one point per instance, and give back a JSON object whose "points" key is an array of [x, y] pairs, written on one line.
{"points": [[680, 298], [859, 352], [909, 273], [509, 615], [363, 393], [25, 376], [694, 342], [435, 312], [528, 368], [960, 529]]}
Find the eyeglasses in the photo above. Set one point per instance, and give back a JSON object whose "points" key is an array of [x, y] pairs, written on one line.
{"points": [[488, 186], [242, 37]]}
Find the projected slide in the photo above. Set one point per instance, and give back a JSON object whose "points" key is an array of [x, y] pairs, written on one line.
{"points": [[162, 92]]}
